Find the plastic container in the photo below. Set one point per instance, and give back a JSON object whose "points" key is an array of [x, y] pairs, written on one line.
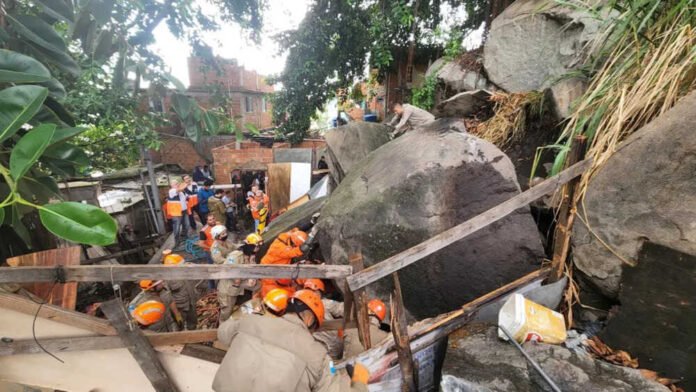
{"points": [[529, 321], [370, 118]]}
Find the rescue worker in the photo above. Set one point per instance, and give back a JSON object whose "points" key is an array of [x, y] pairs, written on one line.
{"points": [[333, 340], [227, 289], [204, 193], [283, 249], [280, 354], [154, 317], [260, 215], [174, 210], [191, 192], [184, 293], [409, 117], [250, 247], [205, 241], [276, 302], [351, 344], [217, 207]]}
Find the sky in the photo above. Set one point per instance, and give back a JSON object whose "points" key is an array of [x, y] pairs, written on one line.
{"points": [[228, 43]]}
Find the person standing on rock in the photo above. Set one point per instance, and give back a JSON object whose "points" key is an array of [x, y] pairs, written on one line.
{"points": [[408, 117]]}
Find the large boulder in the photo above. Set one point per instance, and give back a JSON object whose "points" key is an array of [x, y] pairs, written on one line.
{"points": [[417, 186], [533, 43], [349, 144], [646, 190], [463, 104], [456, 77], [477, 361]]}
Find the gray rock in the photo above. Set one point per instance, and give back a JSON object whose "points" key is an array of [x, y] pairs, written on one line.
{"points": [[477, 360], [297, 217], [565, 93], [417, 186], [534, 42], [456, 78], [349, 144], [646, 190], [463, 104]]}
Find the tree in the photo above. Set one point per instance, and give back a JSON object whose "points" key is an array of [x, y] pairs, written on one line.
{"points": [[337, 40], [62, 55]]}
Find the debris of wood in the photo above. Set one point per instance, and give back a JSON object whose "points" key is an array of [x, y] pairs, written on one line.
{"points": [[208, 310], [617, 357]]}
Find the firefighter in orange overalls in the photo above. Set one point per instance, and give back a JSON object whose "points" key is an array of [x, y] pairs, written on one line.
{"points": [[286, 247]]}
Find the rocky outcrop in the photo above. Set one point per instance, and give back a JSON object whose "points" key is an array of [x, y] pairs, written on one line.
{"points": [[478, 361], [457, 78], [646, 190], [463, 104], [417, 186], [349, 144], [534, 43]]}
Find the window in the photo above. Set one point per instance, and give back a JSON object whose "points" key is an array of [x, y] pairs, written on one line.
{"points": [[156, 104], [264, 107], [248, 104]]}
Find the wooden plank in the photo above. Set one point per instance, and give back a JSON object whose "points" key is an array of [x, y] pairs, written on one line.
{"points": [[399, 327], [83, 343], [362, 315], [119, 273], [279, 182], [64, 295], [57, 314], [432, 245], [205, 353], [566, 213], [138, 345], [447, 323], [334, 325], [117, 254], [168, 244]]}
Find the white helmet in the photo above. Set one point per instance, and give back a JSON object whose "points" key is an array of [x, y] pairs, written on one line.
{"points": [[218, 231]]}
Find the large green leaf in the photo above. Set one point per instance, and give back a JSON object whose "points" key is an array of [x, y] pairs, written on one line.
{"points": [[29, 148], [67, 154], [13, 219], [59, 110], [18, 68], [2, 215], [56, 90], [39, 189], [77, 222], [38, 32], [64, 134], [182, 105], [18, 105], [59, 9], [61, 60]]}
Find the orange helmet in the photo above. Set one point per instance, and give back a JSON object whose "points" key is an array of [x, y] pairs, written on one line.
{"points": [[378, 308], [277, 300], [147, 284], [298, 237], [313, 302], [173, 259], [148, 312], [314, 284]]}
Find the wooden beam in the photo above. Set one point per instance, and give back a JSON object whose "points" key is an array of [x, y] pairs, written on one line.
{"points": [[57, 314], [119, 273], [566, 213], [138, 345], [444, 324], [203, 352], [336, 324], [117, 254], [399, 327], [168, 244], [360, 303], [448, 237], [82, 343]]}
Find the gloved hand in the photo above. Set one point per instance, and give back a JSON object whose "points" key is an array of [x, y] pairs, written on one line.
{"points": [[179, 320], [358, 373]]}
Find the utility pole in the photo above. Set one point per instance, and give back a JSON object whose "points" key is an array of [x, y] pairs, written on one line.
{"points": [[159, 219]]}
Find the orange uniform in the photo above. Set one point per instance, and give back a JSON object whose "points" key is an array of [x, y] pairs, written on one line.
{"points": [[281, 251]]}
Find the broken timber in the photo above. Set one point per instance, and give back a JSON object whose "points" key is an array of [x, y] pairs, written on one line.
{"points": [[119, 273], [139, 347], [442, 240], [399, 328], [362, 315]]}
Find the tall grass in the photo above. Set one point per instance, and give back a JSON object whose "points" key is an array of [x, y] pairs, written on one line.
{"points": [[509, 121], [643, 61]]}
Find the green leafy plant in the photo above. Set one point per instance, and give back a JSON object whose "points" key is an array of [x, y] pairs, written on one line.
{"points": [[424, 96]]}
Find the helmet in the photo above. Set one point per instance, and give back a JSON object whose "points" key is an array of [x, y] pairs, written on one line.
{"points": [[298, 237], [253, 239], [173, 259], [313, 302], [277, 300], [148, 312], [147, 284], [315, 284], [218, 231], [378, 308]]}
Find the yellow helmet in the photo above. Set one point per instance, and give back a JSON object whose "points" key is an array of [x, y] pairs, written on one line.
{"points": [[253, 239], [277, 300]]}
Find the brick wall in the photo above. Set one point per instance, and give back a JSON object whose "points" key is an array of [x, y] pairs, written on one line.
{"points": [[177, 150], [227, 158]]}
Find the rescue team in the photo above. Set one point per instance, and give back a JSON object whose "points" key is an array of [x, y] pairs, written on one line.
{"points": [[274, 341]]}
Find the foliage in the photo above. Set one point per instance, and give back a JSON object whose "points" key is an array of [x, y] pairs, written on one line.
{"points": [[337, 40], [644, 61], [424, 96], [512, 113]]}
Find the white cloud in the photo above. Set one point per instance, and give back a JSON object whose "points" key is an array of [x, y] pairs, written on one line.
{"points": [[228, 42]]}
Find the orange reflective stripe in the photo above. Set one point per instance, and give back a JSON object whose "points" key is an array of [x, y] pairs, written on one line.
{"points": [[173, 208], [192, 201]]}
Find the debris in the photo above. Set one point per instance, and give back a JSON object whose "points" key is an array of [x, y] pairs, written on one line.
{"points": [[617, 357], [208, 310], [529, 321]]}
